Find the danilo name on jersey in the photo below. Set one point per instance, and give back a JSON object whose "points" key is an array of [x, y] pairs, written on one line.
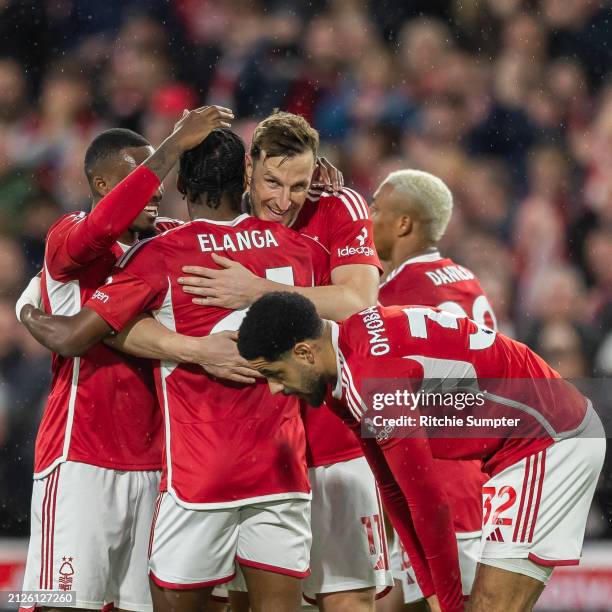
{"points": [[449, 274]]}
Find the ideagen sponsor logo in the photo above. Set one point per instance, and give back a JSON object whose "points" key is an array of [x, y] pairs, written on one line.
{"points": [[361, 249], [364, 250]]}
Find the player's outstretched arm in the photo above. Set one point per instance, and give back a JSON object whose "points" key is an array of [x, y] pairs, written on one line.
{"points": [[354, 288], [68, 336], [397, 510], [117, 210], [217, 354], [430, 514]]}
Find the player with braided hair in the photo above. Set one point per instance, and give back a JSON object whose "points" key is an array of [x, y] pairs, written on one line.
{"points": [[214, 169], [349, 565]]}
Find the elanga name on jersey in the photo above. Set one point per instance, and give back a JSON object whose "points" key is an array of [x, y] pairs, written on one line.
{"points": [[449, 274], [240, 241]]}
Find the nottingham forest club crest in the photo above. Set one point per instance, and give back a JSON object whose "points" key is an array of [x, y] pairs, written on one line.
{"points": [[66, 573]]}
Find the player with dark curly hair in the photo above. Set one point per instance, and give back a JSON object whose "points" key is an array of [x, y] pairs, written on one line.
{"points": [[213, 170], [543, 467]]}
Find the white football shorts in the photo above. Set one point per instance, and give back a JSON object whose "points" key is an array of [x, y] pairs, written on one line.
{"points": [[349, 543], [90, 531], [200, 548], [537, 508]]}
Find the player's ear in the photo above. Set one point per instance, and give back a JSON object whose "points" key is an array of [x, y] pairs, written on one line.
{"points": [[100, 186], [303, 352], [249, 169], [404, 225]]}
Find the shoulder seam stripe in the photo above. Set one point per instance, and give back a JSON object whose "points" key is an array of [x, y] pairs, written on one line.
{"points": [[359, 201], [123, 260], [169, 219], [349, 207]]}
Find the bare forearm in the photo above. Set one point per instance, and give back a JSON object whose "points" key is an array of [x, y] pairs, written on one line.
{"points": [[216, 354], [332, 302], [191, 130], [164, 158], [145, 337]]}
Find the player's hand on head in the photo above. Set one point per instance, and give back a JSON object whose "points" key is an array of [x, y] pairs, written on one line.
{"points": [[195, 125], [220, 358], [327, 175], [233, 286]]}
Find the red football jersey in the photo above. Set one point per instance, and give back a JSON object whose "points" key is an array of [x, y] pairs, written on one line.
{"points": [[101, 408], [427, 343], [226, 444], [432, 280], [342, 225], [411, 343]]}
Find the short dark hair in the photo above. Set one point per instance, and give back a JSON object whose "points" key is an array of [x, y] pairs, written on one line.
{"points": [[275, 323], [284, 135], [214, 168], [109, 143]]}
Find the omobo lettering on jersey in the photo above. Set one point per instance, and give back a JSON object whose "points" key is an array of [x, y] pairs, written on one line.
{"points": [[226, 444], [341, 224], [432, 280], [101, 408], [414, 343]]}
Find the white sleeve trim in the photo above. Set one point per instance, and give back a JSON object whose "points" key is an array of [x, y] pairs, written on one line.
{"points": [[32, 294]]}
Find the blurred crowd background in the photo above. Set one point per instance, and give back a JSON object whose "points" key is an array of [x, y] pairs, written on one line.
{"points": [[509, 101]]}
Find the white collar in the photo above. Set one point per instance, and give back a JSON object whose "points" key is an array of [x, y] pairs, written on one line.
{"points": [[232, 223], [335, 332], [430, 256], [424, 258]]}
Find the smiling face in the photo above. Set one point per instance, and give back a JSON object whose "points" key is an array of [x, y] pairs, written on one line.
{"points": [[279, 185], [297, 372]]}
